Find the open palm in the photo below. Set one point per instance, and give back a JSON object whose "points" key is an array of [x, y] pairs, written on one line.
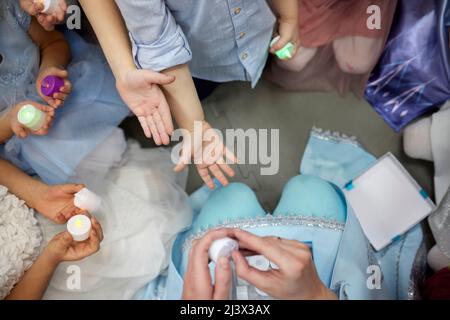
{"points": [[140, 91]]}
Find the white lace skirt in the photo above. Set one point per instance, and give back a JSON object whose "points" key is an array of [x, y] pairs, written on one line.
{"points": [[20, 240]]}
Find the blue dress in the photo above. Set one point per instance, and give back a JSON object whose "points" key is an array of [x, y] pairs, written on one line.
{"points": [[312, 209], [90, 114]]}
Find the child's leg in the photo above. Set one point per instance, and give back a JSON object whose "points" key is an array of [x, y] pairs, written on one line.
{"points": [[299, 61], [236, 201], [312, 197], [357, 55]]}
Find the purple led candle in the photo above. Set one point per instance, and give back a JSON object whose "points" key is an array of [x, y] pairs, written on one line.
{"points": [[51, 85]]}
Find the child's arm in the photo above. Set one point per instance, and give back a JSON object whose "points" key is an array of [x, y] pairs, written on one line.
{"points": [[61, 248], [53, 202], [287, 12], [138, 88], [55, 57], [187, 110], [5, 127]]}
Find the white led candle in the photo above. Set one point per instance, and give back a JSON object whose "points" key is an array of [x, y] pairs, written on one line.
{"points": [[87, 200], [49, 5], [79, 227], [222, 248]]}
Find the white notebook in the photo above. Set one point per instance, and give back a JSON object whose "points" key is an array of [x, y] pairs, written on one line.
{"points": [[387, 201]]}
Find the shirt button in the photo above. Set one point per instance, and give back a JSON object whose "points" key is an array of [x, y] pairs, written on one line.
{"points": [[237, 11], [242, 34], [244, 56]]}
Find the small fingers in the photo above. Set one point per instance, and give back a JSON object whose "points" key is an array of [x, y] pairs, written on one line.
{"points": [[215, 170], [161, 129], [204, 174], [145, 127], [154, 130]]}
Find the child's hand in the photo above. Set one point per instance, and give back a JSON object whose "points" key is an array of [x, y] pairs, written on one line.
{"points": [[63, 248], [56, 202], [140, 91], [20, 130], [209, 155], [47, 21], [58, 98], [288, 32]]}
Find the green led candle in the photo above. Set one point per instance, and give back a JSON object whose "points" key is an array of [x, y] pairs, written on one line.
{"points": [[31, 117], [287, 52]]}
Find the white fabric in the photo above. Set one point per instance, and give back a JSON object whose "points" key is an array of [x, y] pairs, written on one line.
{"points": [[417, 140], [143, 210], [428, 139], [20, 240], [440, 144]]}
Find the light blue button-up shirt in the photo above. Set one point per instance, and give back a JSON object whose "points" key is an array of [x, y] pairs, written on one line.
{"points": [[222, 40]]}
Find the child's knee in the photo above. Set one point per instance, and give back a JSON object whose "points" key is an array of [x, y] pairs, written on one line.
{"points": [[356, 56], [236, 201], [311, 196], [299, 61]]}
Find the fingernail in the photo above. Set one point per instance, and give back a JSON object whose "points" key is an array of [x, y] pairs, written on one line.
{"points": [[224, 263]]}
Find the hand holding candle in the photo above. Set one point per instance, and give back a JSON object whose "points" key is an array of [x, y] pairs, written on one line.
{"points": [[53, 86], [285, 53], [222, 248], [79, 227], [87, 200], [49, 6], [63, 246], [31, 117]]}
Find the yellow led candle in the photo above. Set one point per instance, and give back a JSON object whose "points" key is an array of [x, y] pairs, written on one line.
{"points": [[79, 227]]}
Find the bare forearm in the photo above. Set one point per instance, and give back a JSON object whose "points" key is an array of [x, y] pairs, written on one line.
{"points": [[182, 97], [56, 54], [35, 281], [112, 34], [19, 183], [286, 9], [54, 49], [5, 128]]}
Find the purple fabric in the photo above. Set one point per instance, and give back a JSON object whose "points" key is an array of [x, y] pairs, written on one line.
{"points": [[413, 75]]}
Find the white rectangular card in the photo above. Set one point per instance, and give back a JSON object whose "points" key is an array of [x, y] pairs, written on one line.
{"points": [[387, 201]]}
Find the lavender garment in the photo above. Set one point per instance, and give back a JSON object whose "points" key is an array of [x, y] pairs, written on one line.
{"points": [[413, 76]]}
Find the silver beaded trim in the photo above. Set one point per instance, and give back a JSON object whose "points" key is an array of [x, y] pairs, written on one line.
{"points": [[334, 136], [267, 221]]}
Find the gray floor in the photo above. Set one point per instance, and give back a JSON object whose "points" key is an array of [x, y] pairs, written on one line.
{"points": [[235, 105]]}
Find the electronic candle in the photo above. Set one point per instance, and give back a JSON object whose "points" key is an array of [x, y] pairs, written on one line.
{"points": [[31, 117], [49, 5], [79, 227], [287, 52], [51, 85], [222, 248], [87, 200]]}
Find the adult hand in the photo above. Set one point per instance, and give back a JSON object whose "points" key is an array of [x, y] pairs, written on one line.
{"points": [[63, 248], [209, 153], [197, 282], [47, 21], [140, 91], [296, 278], [59, 97], [57, 202]]}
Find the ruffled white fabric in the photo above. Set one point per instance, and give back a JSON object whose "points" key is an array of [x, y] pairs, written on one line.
{"points": [[144, 208], [20, 240]]}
